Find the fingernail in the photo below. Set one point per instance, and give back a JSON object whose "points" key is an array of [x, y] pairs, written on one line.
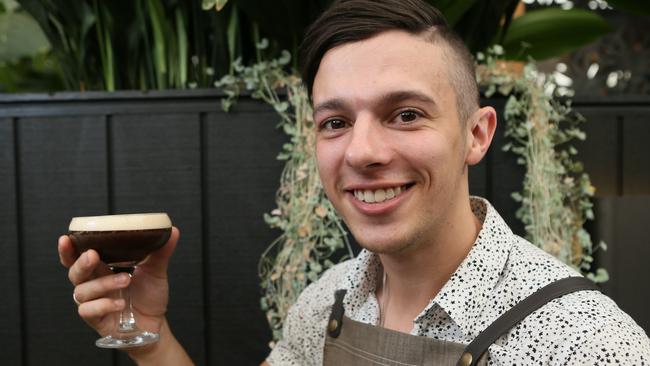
{"points": [[118, 303], [86, 259], [121, 279]]}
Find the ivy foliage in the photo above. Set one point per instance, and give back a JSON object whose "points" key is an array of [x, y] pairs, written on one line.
{"points": [[312, 233], [556, 198]]}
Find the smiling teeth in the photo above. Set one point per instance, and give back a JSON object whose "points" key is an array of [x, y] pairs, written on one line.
{"points": [[378, 195]]}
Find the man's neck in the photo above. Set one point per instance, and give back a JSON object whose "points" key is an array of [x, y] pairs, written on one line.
{"points": [[416, 277]]}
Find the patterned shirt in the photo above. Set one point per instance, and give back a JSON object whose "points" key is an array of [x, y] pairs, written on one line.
{"points": [[582, 328]]}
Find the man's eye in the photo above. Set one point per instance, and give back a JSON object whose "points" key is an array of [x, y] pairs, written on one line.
{"points": [[408, 116], [333, 124]]}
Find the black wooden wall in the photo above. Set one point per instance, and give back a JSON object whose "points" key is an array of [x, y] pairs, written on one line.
{"points": [[215, 173]]}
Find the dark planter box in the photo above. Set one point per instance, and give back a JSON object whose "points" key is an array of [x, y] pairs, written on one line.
{"points": [[215, 173]]}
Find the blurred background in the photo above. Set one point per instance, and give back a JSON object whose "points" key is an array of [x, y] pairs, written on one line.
{"points": [[111, 107]]}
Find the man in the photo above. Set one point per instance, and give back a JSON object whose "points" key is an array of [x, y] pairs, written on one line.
{"points": [[398, 123]]}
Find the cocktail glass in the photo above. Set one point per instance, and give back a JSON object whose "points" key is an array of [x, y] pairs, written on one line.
{"points": [[122, 242]]}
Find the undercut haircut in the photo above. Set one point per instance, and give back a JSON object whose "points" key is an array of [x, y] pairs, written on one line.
{"points": [[348, 21]]}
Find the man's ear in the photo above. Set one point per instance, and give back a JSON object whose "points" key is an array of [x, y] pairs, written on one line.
{"points": [[480, 130]]}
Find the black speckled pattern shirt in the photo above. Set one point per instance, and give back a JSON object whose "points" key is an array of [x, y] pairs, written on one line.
{"points": [[582, 328]]}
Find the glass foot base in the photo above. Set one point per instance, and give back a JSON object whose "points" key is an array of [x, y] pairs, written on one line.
{"points": [[128, 340]]}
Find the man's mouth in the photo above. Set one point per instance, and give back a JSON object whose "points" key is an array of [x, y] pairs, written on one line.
{"points": [[379, 195]]}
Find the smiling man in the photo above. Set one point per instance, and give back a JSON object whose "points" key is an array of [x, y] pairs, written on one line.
{"points": [[441, 279], [397, 124]]}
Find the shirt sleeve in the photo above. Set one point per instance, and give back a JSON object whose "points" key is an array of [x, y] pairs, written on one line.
{"points": [[292, 348], [622, 343]]}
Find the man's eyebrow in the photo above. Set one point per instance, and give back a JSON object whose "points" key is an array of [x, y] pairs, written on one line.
{"points": [[331, 104], [386, 99], [402, 95]]}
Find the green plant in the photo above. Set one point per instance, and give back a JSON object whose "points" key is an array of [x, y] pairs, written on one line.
{"points": [[480, 24], [25, 60], [137, 44], [160, 44], [312, 234], [556, 195], [551, 32]]}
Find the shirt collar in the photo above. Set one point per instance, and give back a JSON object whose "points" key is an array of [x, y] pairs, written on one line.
{"points": [[463, 297]]}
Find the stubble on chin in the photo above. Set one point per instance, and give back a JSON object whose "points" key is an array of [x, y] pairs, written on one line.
{"points": [[398, 246]]}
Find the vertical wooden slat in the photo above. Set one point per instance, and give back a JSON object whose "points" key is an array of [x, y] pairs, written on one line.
{"points": [[636, 152], [10, 306], [478, 184], [243, 175], [622, 223], [599, 152], [505, 175], [62, 166], [156, 167]]}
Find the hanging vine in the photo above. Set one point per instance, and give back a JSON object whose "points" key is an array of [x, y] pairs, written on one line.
{"points": [[556, 195], [555, 199], [311, 230]]}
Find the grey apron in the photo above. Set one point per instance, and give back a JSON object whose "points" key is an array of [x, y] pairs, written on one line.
{"points": [[349, 342]]}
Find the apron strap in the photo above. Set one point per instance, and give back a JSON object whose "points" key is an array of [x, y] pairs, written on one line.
{"points": [[510, 318], [336, 316]]}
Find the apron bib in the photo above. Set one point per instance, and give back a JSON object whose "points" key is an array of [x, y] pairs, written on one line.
{"points": [[349, 342]]}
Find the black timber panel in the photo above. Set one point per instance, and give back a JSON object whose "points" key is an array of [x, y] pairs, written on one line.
{"points": [[62, 174], [636, 152], [503, 176], [243, 175], [478, 178], [622, 223], [156, 162], [10, 331], [600, 151]]}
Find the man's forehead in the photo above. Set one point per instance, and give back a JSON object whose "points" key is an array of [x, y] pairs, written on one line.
{"points": [[391, 61]]}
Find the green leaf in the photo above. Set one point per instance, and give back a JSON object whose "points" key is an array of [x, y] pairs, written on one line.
{"points": [[208, 4], [631, 6], [552, 32], [183, 49], [157, 17], [453, 9], [231, 36], [483, 22], [20, 36]]}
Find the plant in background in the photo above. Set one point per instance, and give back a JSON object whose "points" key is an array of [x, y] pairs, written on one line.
{"points": [[137, 44], [170, 44], [25, 62], [556, 195], [312, 234]]}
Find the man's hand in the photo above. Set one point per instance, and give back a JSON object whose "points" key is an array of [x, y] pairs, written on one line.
{"points": [[96, 287]]}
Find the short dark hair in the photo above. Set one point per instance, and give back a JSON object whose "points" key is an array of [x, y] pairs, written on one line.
{"points": [[348, 21]]}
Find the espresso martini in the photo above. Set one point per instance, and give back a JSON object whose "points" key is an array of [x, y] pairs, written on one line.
{"points": [[122, 241]]}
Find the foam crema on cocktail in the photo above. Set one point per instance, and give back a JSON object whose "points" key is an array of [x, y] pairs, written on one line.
{"points": [[122, 241]]}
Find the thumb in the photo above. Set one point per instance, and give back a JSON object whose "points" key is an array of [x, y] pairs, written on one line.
{"points": [[157, 262]]}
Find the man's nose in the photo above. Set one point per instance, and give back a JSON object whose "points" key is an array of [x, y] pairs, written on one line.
{"points": [[367, 147]]}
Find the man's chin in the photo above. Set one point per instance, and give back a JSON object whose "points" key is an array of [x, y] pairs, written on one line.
{"points": [[383, 247]]}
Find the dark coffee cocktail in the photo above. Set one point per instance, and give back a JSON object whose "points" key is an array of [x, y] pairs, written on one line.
{"points": [[122, 241], [121, 246], [121, 238]]}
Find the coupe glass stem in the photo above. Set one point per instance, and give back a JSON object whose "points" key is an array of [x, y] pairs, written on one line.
{"points": [[127, 334], [127, 319]]}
